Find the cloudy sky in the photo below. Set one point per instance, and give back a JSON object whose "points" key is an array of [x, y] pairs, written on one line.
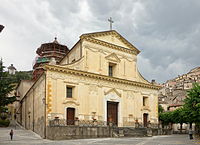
{"points": [[167, 32]]}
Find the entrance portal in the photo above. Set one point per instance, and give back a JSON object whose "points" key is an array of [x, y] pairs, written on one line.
{"points": [[145, 118], [112, 112], [70, 116]]}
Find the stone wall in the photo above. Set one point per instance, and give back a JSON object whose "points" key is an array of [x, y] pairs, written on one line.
{"points": [[160, 131], [76, 132]]}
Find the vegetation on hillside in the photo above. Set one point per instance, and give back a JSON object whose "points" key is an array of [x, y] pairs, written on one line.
{"points": [[20, 75], [189, 113], [6, 87], [8, 83]]}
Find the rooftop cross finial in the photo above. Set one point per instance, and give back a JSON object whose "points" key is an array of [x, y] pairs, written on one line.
{"points": [[111, 21], [55, 40]]}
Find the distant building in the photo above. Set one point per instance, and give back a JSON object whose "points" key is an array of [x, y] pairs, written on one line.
{"points": [[12, 69], [172, 94], [174, 91]]}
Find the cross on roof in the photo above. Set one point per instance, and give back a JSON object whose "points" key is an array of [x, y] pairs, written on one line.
{"points": [[111, 21]]}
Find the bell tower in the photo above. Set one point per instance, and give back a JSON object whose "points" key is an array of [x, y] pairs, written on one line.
{"points": [[45, 53]]}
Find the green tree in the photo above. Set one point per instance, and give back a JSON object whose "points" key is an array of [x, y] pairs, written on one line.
{"points": [[21, 75], [192, 104], [6, 87], [180, 116], [166, 118], [160, 109]]}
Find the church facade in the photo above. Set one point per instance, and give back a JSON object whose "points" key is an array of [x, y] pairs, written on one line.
{"points": [[97, 80]]}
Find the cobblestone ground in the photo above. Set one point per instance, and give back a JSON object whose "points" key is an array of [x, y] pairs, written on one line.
{"points": [[26, 137]]}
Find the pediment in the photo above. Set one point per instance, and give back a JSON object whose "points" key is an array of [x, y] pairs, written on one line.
{"points": [[113, 57], [112, 91], [112, 37], [71, 102]]}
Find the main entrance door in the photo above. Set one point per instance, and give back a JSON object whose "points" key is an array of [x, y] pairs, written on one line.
{"points": [[70, 116], [145, 118], [112, 112]]}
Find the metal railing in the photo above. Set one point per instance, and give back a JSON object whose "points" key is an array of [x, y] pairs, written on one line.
{"points": [[88, 123], [98, 123]]}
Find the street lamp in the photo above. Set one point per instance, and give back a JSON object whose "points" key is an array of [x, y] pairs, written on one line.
{"points": [[1, 28]]}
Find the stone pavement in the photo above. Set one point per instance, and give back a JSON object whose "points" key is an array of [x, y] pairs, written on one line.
{"points": [[27, 137]]}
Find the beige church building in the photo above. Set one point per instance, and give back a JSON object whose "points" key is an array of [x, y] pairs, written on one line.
{"points": [[97, 79]]}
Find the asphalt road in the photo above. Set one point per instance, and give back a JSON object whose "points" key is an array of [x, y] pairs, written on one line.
{"points": [[26, 137]]}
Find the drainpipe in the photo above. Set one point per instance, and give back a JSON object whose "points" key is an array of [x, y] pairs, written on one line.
{"points": [[45, 106], [25, 113], [33, 108]]}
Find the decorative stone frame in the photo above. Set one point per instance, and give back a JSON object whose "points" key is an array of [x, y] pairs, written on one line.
{"points": [[112, 96]]}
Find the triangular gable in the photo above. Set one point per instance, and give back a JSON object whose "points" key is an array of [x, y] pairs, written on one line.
{"points": [[113, 57], [112, 90], [112, 37]]}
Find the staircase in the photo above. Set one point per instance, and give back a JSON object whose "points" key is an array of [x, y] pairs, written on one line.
{"points": [[129, 132]]}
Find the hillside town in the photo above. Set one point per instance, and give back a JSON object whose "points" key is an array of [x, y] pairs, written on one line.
{"points": [[174, 91]]}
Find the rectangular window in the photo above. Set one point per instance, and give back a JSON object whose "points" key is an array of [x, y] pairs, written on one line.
{"points": [[144, 101], [110, 71], [69, 92]]}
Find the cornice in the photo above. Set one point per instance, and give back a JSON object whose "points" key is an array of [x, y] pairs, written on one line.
{"points": [[99, 76], [114, 33], [113, 46]]}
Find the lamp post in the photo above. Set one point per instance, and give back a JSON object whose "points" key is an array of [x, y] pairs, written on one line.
{"points": [[1, 28]]}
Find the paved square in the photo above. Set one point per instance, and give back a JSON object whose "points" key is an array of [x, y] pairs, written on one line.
{"points": [[26, 137]]}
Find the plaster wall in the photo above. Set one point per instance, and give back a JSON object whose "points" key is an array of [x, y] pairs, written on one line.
{"points": [[98, 57], [89, 98], [33, 107], [73, 55], [23, 87]]}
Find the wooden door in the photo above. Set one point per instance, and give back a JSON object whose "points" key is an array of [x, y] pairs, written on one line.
{"points": [[112, 112], [70, 116], [145, 118]]}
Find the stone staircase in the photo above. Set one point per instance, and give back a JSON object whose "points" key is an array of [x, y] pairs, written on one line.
{"points": [[129, 132]]}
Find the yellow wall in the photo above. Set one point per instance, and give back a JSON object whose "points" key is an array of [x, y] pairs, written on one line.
{"points": [[74, 54], [111, 39], [89, 95], [23, 87], [96, 58]]}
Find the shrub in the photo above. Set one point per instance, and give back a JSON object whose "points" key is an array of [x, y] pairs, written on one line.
{"points": [[3, 116], [4, 123]]}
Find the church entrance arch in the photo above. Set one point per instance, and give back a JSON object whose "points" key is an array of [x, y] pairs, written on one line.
{"points": [[112, 107]]}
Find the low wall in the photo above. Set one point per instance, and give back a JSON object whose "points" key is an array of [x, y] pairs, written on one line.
{"points": [[161, 131], [76, 132], [131, 131]]}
